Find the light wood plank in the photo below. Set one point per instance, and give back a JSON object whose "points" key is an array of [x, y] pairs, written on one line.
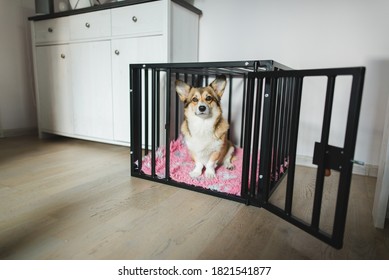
{"points": [[71, 199]]}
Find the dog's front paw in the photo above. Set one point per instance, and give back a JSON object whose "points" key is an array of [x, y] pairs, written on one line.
{"points": [[210, 173], [229, 166], [195, 173]]}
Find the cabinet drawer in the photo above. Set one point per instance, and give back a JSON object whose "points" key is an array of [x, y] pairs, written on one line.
{"points": [[90, 25], [138, 19], [51, 30]]}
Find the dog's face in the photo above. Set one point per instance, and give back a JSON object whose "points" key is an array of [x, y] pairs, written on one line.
{"points": [[202, 102]]}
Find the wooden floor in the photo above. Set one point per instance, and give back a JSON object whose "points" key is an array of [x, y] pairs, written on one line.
{"points": [[71, 199]]}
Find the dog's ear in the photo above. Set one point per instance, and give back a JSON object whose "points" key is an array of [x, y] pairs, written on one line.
{"points": [[182, 89], [219, 84]]}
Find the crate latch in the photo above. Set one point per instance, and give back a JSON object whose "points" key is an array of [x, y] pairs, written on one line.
{"points": [[330, 156]]}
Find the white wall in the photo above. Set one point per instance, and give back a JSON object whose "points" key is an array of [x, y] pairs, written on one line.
{"points": [[298, 33], [308, 34], [17, 109]]}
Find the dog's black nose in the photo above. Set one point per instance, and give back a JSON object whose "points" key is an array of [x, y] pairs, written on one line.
{"points": [[202, 108]]}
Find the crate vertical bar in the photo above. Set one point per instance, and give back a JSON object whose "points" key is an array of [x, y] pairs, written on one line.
{"points": [[297, 91], [167, 124], [177, 111], [230, 80], [244, 105], [267, 137], [349, 149], [289, 114], [276, 132], [136, 129], [282, 136], [146, 109], [256, 140], [153, 120], [324, 142], [158, 104], [246, 188]]}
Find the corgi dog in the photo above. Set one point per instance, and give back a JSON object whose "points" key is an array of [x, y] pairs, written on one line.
{"points": [[204, 128]]}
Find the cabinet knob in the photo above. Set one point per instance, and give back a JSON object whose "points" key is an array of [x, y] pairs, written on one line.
{"points": [[50, 29], [117, 52], [87, 25], [134, 19], [63, 56]]}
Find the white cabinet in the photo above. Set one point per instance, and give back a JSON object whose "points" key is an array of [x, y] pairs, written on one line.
{"points": [[92, 89], [126, 51], [82, 63], [54, 81]]}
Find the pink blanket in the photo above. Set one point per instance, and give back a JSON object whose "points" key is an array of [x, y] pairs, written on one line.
{"points": [[226, 181], [181, 163]]}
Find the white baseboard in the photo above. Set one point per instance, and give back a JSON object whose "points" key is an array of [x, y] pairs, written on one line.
{"points": [[365, 170]]}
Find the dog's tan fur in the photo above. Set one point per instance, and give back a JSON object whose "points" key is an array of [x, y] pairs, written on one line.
{"points": [[204, 128]]}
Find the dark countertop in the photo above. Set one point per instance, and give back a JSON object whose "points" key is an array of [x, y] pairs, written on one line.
{"points": [[109, 6]]}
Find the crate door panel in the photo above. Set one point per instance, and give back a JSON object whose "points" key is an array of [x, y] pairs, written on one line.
{"points": [[320, 136]]}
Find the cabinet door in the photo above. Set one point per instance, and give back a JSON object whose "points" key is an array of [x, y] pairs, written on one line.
{"points": [[54, 94], [91, 87], [126, 51]]}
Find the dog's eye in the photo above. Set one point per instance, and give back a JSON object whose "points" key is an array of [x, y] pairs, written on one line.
{"points": [[195, 99], [208, 98]]}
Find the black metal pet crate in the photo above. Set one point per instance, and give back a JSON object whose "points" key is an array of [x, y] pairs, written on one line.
{"points": [[263, 102]]}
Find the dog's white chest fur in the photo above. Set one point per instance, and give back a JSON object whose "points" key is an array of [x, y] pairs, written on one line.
{"points": [[202, 141]]}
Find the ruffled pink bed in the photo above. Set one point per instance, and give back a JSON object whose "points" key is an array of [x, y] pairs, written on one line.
{"points": [[181, 164]]}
